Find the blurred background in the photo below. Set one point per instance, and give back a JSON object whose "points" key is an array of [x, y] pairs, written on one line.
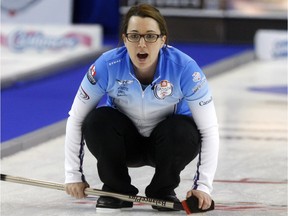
{"points": [[48, 45], [188, 20]]}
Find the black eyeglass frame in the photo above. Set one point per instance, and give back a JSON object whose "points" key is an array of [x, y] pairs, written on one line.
{"points": [[144, 36]]}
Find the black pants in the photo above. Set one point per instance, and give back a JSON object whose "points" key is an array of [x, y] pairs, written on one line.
{"points": [[116, 144]]}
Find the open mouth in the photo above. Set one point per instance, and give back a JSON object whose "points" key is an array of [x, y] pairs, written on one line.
{"points": [[142, 56]]}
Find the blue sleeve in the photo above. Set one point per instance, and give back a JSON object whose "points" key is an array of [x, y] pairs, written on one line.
{"points": [[94, 83], [193, 82]]}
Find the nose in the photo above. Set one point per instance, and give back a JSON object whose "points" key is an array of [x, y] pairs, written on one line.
{"points": [[142, 42]]}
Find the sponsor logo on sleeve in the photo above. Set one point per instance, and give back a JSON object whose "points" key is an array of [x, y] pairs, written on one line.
{"points": [[205, 102], [196, 76], [163, 89], [83, 94], [199, 85], [91, 74]]}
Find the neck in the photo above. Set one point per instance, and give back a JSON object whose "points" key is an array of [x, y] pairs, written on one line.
{"points": [[145, 76]]}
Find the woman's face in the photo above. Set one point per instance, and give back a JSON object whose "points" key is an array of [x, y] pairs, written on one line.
{"points": [[144, 55]]}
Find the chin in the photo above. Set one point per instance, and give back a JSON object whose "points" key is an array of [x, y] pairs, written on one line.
{"points": [[142, 65]]}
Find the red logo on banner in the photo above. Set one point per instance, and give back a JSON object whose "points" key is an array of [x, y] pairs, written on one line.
{"points": [[13, 7]]}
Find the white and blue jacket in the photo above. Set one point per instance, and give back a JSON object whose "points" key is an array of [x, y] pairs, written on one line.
{"points": [[179, 87]]}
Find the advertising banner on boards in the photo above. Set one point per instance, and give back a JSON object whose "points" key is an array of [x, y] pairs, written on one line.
{"points": [[50, 39]]}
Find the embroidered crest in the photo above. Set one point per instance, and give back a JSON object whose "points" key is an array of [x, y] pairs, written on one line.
{"points": [[163, 89]]}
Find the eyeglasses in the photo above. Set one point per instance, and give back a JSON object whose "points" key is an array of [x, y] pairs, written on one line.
{"points": [[150, 38]]}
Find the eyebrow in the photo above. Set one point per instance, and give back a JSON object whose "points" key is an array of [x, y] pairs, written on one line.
{"points": [[149, 31]]}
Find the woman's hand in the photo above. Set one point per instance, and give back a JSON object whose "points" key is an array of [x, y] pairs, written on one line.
{"points": [[203, 198], [76, 189]]}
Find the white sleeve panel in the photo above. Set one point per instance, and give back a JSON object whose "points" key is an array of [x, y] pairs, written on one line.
{"points": [[74, 151], [74, 145], [204, 115]]}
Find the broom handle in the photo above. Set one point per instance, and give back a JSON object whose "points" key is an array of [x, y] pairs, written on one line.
{"points": [[94, 192]]}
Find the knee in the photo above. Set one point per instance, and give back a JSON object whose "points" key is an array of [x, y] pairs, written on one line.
{"points": [[98, 130], [97, 115], [179, 132], [93, 126], [98, 118], [180, 127]]}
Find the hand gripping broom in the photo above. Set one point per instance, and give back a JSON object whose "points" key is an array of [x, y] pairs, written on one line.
{"points": [[189, 205]]}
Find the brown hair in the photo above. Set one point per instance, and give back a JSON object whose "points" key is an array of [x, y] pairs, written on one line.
{"points": [[145, 10]]}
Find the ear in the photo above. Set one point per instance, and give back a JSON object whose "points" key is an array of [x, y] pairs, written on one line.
{"points": [[163, 40]]}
